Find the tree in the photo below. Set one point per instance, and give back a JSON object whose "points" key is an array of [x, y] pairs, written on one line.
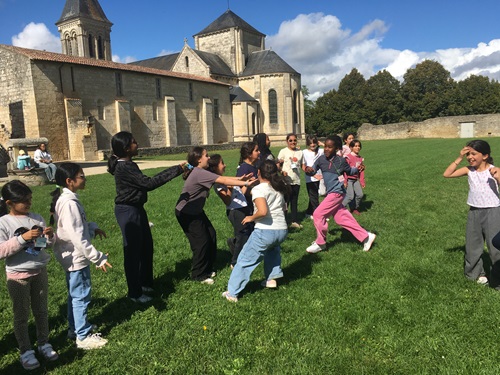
{"points": [[475, 95], [308, 108], [382, 100], [426, 91]]}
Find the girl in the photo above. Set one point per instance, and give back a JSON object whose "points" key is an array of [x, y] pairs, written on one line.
{"points": [[191, 217], [356, 182], [348, 138], [484, 213], [263, 143], [311, 154], [44, 160], [236, 198], [333, 168], [23, 239], [291, 162], [75, 253], [132, 188], [270, 231]]}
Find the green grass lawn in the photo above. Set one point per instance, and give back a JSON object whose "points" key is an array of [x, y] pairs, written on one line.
{"points": [[403, 308]]}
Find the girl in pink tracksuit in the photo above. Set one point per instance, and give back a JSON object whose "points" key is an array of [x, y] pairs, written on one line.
{"points": [[355, 183]]}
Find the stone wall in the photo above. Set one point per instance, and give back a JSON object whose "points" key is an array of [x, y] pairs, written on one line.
{"points": [[479, 126]]}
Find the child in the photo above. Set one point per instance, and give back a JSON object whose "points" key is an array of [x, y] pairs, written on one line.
{"points": [[291, 161], [270, 231], [311, 154], [75, 253], [23, 161], [132, 188], [333, 168], [191, 216], [348, 138], [263, 142], [356, 182], [484, 213], [23, 239]]}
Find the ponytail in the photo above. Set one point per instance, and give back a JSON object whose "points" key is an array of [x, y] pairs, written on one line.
{"points": [[193, 158], [55, 196], [269, 171], [112, 161]]}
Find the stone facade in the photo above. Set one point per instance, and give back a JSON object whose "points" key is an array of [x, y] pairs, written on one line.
{"points": [[474, 126]]}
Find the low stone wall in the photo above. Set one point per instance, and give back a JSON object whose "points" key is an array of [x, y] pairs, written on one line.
{"points": [[483, 126], [32, 177]]}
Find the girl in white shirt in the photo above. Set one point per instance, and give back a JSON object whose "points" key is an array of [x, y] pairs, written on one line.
{"points": [[484, 213], [269, 232]]}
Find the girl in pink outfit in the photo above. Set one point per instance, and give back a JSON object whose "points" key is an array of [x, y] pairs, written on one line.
{"points": [[347, 138], [354, 184], [333, 168], [484, 213]]}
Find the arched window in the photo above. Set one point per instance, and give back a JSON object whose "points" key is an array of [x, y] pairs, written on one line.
{"points": [[74, 44], [69, 50], [295, 106], [186, 59], [100, 48], [91, 46], [273, 107]]}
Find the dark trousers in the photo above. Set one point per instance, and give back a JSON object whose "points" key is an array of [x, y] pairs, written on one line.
{"points": [[241, 232], [293, 201], [203, 240], [312, 191], [137, 247]]}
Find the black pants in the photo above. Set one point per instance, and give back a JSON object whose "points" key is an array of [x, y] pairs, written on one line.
{"points": [[293, 201], [137, 247], [203, 240], [312, 191], [241, 231]]}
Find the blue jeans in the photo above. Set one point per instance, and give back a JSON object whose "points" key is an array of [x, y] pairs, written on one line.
{"points": [[79, 291], [262, 244], [50, 170]]}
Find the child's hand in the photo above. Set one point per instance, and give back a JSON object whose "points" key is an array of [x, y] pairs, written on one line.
{"points": [[103, 267], [100, 233], [246, 177], [361, 167], [49, 232], [31, 235], [464, 151], [495, 173], [317, 176], [247, 219], [363, 185]]}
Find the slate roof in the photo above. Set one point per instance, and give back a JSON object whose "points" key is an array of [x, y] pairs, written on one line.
{"points": [[165, 62], [266, 62], [237, 94], [227, 21], [83, 8], [217, 65], [33, 54]]}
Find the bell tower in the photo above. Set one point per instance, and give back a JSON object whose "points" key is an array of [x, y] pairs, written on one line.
{"points": [[85, 30]]}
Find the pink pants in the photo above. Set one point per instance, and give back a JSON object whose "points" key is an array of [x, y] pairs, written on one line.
{"points": [[332, 206]]}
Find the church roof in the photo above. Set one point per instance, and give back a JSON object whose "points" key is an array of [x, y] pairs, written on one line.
{"points": [[165, 62], [266, 62], [237, 94], [216, 64], [227, 21], [33, 54], [83, 8]]}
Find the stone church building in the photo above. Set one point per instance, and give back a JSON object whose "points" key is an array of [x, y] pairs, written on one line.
{"points": [[228, 88]]}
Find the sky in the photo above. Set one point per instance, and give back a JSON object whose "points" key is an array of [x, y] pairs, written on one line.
{"points": [[321, 39]]}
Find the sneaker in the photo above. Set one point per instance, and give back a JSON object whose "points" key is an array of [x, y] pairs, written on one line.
{"points": [[92, 341], [229, 297], [309, 217], [208, 281], [482, 280], [213, 274], [142, 299], [315, 248], [356, 212], [369, 241], [147, 289], [271, 284], [48, 352], [296, 225], [72, 334], [29, 361]]}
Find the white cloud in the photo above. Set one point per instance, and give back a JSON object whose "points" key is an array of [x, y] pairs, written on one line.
{"points": [[123, 60], [37, 36], [319, 48]]}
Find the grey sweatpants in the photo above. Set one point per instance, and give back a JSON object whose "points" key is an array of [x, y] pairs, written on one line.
{"points": [[482, 225], [353, 191]]}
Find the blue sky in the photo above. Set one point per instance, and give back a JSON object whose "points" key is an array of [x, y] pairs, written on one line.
{"points": [[322, 39]]}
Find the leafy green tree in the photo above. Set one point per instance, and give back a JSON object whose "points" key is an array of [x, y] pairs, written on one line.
{"points": [[475, 95], [308, 107], [426, 91], [351, 100], [382, 100]]}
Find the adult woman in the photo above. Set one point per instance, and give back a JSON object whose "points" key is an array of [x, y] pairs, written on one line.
{"points": [[191, 217], [290, 159], [44, 160]]}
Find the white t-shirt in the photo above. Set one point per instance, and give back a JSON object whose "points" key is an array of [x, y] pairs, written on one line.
{"points": [[275, 218], [309, 159], [292, 163]]}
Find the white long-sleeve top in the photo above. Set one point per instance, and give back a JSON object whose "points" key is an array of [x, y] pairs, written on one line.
{"points": [[73, 248], [39, 155]]}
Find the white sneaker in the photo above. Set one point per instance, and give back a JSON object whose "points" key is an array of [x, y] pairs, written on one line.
{"points": [[48, 352], [296, 225], [208, 281], [72, 334], [229, 297], [92, 341], [369, 241], [482, 280], [142, 299], [271, 284], [29, 361], [315, 248]]}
